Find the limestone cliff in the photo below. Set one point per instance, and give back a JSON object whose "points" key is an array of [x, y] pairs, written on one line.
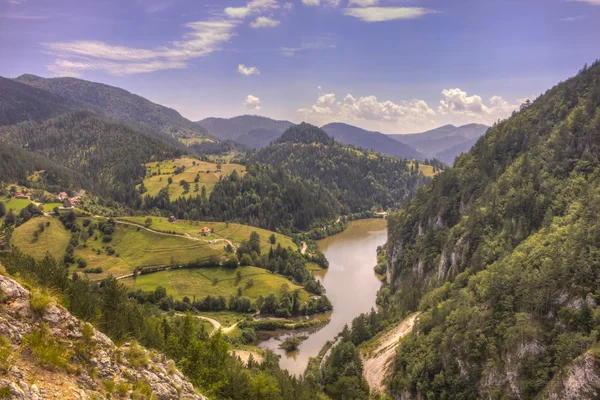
{"points": [[46, 353]]}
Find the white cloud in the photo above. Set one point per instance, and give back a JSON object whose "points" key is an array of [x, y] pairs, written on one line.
{"points": [[592, 2], [252, 103], [316, 3], [264, 22], [203, 38], [252, 7], [381, 14], [242, 69], [363, 3], [288, 5], [311, 2], [456, 107], [456, 103], [319, 44], [572, 19]]}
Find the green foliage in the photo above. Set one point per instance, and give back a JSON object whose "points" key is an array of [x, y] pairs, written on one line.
{"points": [[46, 349], [505, 245], [358, 179], [40, 299]]}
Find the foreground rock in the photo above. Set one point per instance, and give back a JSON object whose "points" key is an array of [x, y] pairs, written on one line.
{"points": [[46, 353]]}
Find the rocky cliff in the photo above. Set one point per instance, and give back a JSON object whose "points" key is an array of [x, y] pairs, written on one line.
{"points": [[46, 353]]}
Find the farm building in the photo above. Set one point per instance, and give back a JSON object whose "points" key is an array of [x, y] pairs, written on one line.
{"points": [[205, 231]]}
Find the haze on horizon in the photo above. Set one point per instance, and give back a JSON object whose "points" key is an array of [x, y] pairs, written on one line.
{"points": [[385, 65]]}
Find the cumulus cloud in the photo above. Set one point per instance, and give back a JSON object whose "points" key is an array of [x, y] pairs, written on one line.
{"points": [[203, 38], [252, 103], [406, 116], [363, 3], [264, 22], [457, 102], [381, 14], [242, 69], [252, 7], [311, 2]]}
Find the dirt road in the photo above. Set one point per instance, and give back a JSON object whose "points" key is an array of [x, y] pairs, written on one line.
{"points": [[376, 366]]}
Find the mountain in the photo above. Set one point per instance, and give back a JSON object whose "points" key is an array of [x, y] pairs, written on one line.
{"points": [[233, 128], [54, 343], [118, 104], [109, 154], [371, 140], [500, 255], [444, 141], [358, 178], [258, 138], [449, 155]]}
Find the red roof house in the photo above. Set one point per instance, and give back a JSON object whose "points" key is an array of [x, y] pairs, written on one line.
{"points": [[63, 196], [172, 219], [205, 231]]}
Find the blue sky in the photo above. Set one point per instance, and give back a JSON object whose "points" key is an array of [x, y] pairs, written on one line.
{"points": [[390, 65]]}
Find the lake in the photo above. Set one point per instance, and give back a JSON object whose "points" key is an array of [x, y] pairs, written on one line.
{"points": [[351, 286]]}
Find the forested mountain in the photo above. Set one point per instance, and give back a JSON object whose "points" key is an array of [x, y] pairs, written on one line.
{"points": [[109, 154], [258, 138], [500, 253], [371, 140], [359, 179], [447, 141], [233, 128], [18, 165], [20, 102], [267, 197], [118, 104]]}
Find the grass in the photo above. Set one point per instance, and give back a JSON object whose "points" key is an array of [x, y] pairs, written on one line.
{"points": [[46, 349], [222, 230], [192, 140], [48, 207], [207, 172], [15, 204], [54, 239], [200, 283], [137, 247], [426, 170], [40, 300]]}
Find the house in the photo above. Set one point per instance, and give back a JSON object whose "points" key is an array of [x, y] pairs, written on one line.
{"points": [[63, 196], [205, 231], [21, 196], [172, 219]]}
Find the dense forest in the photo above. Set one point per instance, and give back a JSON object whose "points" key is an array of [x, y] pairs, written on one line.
{"points": [[110, 155], [360, 180], [267, 197], [500, 254]]}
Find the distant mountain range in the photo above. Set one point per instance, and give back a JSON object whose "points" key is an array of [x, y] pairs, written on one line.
{"points": [[444, 143], [112, 102], [257, 132]]}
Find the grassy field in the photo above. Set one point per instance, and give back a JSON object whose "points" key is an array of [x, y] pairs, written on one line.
{"points": [[48, 207], [54, 239], [158, 173], [426, 170], [222, 230], [215, 282], [15, 204], [192, 140]]}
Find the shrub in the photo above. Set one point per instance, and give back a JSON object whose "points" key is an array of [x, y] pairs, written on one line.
{"points": [[46, 350], [40, 300]]}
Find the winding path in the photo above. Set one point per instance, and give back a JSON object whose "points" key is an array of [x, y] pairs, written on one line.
{"points": [[216, 324]]}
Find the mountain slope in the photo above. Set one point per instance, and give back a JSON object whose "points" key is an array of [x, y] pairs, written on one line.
{"points": [[109, 154], [118, 104], [500, 253], [359, 179], [442, 139], [258, 138], [47, 352], [20, 102], [449, 155], [371, 140], [233, 128]]}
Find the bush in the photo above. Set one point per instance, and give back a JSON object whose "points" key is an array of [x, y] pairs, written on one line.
{"points": [[40, 300], [46, 350]]}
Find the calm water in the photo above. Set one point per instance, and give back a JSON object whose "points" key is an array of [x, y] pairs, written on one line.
{"points": [[351, 286]]}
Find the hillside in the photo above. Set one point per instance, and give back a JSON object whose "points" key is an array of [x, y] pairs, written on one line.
{"points": [[118, 104], [46, 352], [447, 141], [359, 179], [500, 254], [109, 154], [233, 128], [258, 138], [375, 141]]}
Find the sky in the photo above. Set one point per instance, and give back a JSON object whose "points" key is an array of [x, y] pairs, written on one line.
{"points": [[395, 66]]}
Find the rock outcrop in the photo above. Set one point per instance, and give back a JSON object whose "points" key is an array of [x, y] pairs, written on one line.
{"points": [[46, 353]]}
